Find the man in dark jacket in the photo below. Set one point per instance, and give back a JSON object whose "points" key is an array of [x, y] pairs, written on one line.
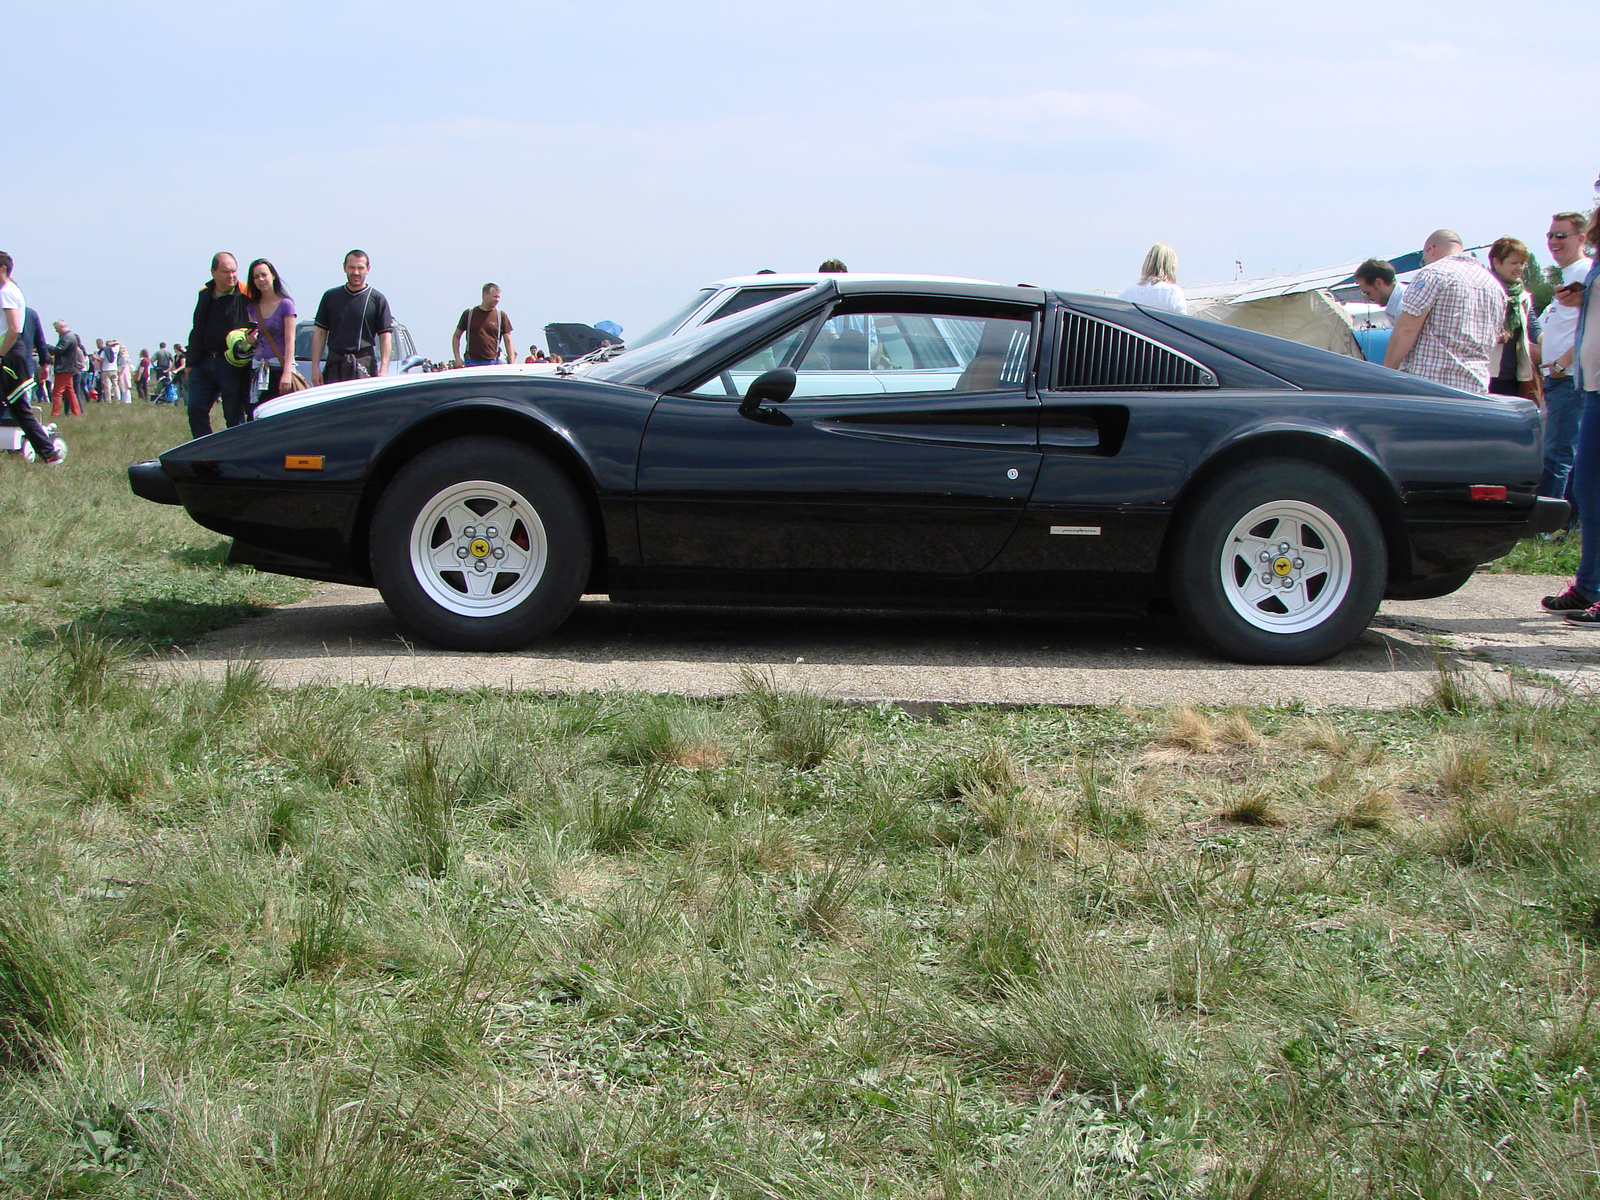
{"points": [[34, 345], [222, 307], [66, 356]]}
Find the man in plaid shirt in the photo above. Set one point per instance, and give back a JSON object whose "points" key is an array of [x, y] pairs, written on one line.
{"points": [[1451, 318]]}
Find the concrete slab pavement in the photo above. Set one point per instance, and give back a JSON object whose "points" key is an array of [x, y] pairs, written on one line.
{"points": [[345, 634]]}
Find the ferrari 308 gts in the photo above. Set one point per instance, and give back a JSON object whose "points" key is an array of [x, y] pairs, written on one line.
{"points": [[895, 444]]}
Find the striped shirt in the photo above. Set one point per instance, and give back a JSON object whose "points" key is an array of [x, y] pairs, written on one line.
{"points": [[1464, 312]]}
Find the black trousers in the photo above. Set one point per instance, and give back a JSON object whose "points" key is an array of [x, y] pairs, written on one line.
{"points": [[341, 366], [16, 384], [212, 379]]}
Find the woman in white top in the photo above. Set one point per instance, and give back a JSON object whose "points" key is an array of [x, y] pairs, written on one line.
{"points": [[1158, 282]]}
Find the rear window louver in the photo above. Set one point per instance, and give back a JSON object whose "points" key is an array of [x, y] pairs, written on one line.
{"points": [[1095, 355]]}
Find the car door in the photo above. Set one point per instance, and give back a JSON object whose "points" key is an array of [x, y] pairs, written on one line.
{"points": [[1122, 418], [907, 450]]}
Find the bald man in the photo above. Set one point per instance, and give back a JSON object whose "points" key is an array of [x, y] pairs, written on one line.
{"points": [[1450, 319]]}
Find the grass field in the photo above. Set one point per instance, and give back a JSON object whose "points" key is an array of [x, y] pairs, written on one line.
{"points": [[79, 551], [351, 943]]}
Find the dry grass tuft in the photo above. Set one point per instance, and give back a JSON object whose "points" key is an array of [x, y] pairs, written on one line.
{"points": [[1324, 737], [1254, 807], [1191, 730], [1463, 769], [701, 757], [1237, 732], [1371, 808]]}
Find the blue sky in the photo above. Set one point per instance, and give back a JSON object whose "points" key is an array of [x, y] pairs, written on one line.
{"points": [[600, 162]]}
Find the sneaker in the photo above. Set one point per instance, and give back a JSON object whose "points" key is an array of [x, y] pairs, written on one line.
{"points": [[1588, 616], [55, 460], [1571, 600]]}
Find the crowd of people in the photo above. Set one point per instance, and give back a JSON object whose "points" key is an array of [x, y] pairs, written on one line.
{"points": [[68, 371], [1473, 326]]}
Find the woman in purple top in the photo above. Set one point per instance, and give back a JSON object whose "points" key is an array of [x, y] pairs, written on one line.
{"points": [[274, 331]]}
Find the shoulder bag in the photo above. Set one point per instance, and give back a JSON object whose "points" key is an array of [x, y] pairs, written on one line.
{"points": [[293, 381]]}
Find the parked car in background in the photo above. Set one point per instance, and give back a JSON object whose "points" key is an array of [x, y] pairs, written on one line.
{"points": [[403, 356], [722, 299]]}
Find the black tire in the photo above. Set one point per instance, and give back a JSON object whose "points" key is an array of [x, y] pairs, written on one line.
{"points": [[1343, 563], [550, 538]]}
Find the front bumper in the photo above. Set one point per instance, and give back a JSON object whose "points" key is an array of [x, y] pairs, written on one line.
{"points": [[150, 482]]}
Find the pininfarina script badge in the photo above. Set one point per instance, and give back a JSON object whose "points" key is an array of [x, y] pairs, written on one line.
{"points": [[1077, 530]]}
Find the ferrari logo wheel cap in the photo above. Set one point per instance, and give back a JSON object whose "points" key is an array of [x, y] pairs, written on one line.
{"points": [[480, 549], [1281, 566]]}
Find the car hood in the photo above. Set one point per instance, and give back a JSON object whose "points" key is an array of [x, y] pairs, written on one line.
{"points": [[357, 387]]}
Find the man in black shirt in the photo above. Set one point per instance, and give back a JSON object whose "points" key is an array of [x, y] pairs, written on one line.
{"points": [[222, 308], [351, 320]]}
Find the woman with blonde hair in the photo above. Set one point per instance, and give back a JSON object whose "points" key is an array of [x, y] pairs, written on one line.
{"points": [[1158, 282]]}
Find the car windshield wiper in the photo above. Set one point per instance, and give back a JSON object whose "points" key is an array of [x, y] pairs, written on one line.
{"points": [[604, 354]]}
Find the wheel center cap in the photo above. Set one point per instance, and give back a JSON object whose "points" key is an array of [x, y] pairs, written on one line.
{"points": [[480, 549], [1280, 565]]}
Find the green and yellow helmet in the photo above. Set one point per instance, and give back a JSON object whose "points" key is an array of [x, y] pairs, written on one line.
{"points": [[239, 351]]}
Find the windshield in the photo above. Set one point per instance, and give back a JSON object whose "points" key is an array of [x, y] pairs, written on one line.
{"points": [[642, 364], [666, 328]]}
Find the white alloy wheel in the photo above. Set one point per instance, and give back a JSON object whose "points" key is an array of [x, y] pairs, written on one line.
{"points": [[1286, 566], [478, 548]]}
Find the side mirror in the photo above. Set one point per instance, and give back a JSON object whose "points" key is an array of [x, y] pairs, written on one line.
{"points": [[775, 386]]}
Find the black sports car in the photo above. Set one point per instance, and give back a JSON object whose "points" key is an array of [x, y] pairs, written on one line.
{"points": [[893, 445]]}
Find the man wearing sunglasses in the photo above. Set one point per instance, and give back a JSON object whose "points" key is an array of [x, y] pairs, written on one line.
{"points": [[1562, 404]]}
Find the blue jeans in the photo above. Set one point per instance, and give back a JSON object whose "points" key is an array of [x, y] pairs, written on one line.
{"points": [[1586, 493], [1562, 407], [481, 362], [212, 379]]}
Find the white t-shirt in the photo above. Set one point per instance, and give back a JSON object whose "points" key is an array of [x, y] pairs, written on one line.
{"points": [[1164, 295], [108, 358], [11, 297], [1560, 323], [1392, 307]]}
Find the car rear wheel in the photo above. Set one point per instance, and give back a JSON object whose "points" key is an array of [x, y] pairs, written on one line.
{"points": [[1279, 562], [480, 544]]}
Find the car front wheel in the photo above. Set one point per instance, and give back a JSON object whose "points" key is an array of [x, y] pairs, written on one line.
{"points": [[1279, 562], [480, 544]]}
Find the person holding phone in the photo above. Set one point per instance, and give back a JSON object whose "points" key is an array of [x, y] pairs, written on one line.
{"points": [[274, 312], [1581, 600]]}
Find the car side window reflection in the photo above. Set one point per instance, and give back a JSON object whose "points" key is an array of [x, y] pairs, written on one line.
{"points": [[879, 353]]}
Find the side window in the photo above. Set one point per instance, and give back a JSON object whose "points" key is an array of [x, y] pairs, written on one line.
{"points": [[887, 353], [734, 380], [1098, 356]]}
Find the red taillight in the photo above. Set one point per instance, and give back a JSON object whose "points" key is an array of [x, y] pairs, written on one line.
{"points": [[1487, 491]]}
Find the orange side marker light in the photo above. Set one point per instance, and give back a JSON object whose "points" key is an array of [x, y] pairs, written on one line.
{"points": [[1488, 491], [302, 462]]}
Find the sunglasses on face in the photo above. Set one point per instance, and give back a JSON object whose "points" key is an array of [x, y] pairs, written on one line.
{"points": [[1560, 237]]}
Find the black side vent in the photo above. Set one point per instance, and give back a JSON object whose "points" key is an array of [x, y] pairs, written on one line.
{"points": [[1095, 355]]}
